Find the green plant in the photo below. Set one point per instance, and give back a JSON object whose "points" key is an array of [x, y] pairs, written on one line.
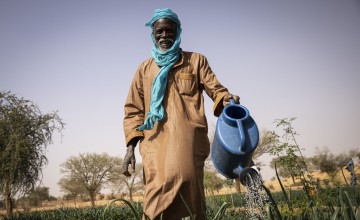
{"points": [[290, 156], [135, 214]]}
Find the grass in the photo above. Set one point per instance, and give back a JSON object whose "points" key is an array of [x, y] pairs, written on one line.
{"points": [[338, 203], [342, 203]]}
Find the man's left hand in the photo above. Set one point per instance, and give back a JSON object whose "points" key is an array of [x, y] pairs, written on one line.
{"points": [[226, 100]]}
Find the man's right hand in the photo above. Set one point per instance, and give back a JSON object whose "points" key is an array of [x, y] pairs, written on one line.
{"points": [[129, 159]]}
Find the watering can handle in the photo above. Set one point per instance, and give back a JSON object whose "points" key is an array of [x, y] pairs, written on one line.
{"points": [[242, 135], [241, 130]]}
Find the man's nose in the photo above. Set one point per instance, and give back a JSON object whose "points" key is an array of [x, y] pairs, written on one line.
{"points": [[164, 34]]}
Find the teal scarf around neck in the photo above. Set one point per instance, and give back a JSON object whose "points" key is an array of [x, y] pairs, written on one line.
{"points": [[166, 60]]}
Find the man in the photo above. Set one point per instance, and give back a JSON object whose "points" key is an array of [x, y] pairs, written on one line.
{"points": [[164, 110]]}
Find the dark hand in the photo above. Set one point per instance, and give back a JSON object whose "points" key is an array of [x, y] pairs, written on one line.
{"points": [[129, 159], [226, 100]]}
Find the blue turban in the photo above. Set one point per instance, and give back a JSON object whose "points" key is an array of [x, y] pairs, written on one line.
{"points": [[166, 60], [163, 13]]}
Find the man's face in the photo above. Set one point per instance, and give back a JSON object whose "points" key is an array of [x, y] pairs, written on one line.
{"points": [[164, 31]]}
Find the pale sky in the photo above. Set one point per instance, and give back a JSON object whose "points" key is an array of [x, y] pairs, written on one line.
{"points": [[283, 58]]}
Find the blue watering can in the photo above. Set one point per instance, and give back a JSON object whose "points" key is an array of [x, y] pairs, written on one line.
{"points": [[235, 140]]}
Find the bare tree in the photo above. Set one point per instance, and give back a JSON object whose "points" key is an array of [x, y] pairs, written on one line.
{"points": [[91, 170], [212, 182], [133, 184], [267, 140], [71, 187], [324, 161]]}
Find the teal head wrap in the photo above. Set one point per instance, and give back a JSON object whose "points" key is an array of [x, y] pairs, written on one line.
{"points": [[166, 60]]}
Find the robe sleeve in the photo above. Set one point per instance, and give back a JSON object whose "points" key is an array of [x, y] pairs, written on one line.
{"points": [[212, 86], [134, 107]]}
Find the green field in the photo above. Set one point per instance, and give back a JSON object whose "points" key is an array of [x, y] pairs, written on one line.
{"points": [[340, 203]]}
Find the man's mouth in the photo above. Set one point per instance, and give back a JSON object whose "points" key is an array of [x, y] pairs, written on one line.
{"points": [[166, 43]]}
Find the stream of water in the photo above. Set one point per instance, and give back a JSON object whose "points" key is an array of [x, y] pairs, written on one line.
{"points": [[255, 196]]}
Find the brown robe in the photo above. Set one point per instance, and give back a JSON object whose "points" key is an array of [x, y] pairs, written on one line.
{"points": [[174, 151]]}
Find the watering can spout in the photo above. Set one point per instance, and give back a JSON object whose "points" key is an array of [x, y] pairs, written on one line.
{"points": [[250, 177]]}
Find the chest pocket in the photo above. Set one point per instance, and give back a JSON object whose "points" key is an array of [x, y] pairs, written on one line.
{"points": [[186, 83]]}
